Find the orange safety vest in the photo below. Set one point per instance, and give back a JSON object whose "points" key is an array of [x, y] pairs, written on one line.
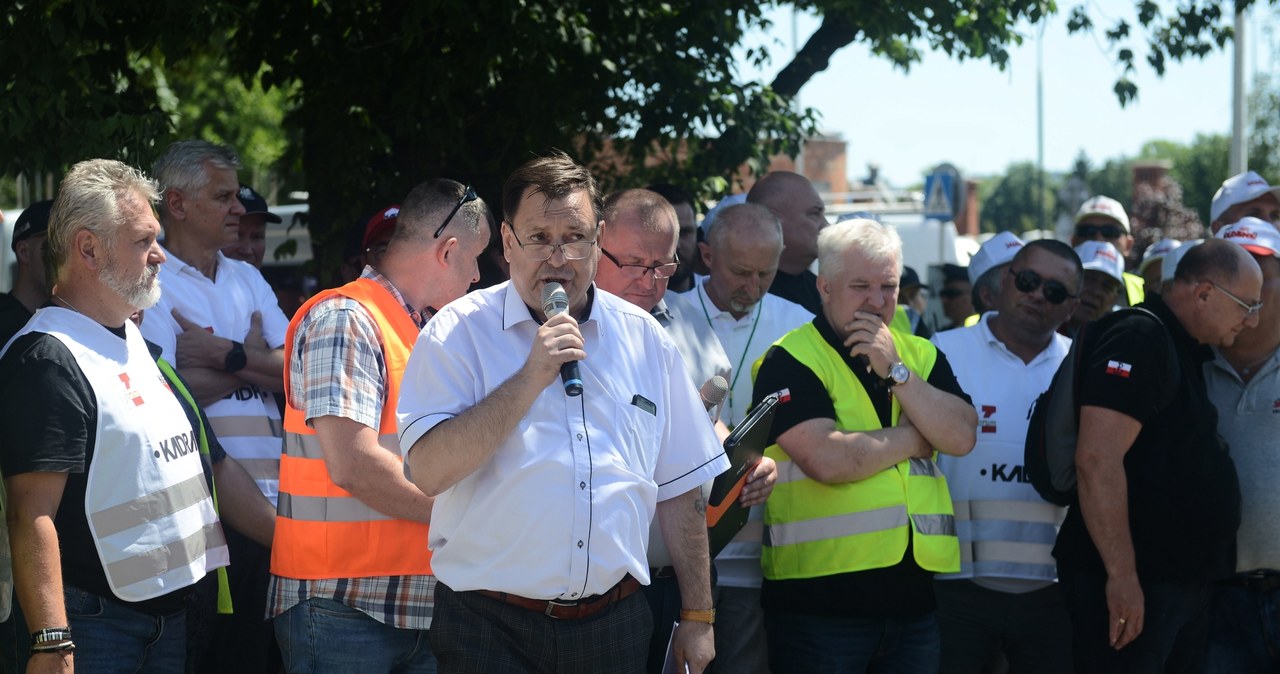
{"points": [[322, 531]]}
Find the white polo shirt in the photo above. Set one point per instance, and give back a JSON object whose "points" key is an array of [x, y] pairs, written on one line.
{"points": [[1006, 530], [746, 339], [562, 509], [247, 421]]}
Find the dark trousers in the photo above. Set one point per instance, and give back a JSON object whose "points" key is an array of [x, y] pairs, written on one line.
{"points": [[245, 641], [1174, 632], [1244, 630], [803, 644], [663, 596], [475, 634], [1032, 630]]}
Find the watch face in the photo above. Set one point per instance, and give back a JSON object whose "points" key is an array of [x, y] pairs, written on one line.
{"points": [[899, 373]]}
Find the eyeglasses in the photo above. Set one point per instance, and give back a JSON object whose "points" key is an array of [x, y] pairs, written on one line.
{"points": [[1028, 281], [539, 252], [660, 271], [1249, 309], [468, 196], [1109, 232]]}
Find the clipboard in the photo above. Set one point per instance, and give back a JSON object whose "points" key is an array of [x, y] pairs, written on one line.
{"points": [[744, 447]]}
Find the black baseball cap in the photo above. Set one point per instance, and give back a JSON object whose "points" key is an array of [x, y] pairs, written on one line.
{"points": [[910, 279], [255, 203], [34, 221]]}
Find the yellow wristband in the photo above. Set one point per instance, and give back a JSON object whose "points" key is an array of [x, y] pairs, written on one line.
{"points": [[706, 615]]}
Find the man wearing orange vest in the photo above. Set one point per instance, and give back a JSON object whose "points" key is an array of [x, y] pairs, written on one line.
{"points": [[350, 562]]}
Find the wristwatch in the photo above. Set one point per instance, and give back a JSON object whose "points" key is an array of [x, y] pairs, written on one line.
{"points": [[236, 358], [898, 374]]}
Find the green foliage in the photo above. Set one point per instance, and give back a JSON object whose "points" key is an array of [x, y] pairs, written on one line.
{"points": [[1199, 167], [1010, 203], [1264, 132]]}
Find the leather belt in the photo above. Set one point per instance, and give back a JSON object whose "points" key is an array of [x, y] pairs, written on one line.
{"points": [[1265, 581], [662, 572], [569, 610]]}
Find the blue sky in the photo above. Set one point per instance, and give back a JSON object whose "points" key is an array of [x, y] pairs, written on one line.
{"points": [[982, 119]]}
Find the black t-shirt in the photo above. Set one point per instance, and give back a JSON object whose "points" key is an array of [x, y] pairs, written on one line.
{"points": [[13, 316], [48, 422], [901, 591], [800, 288], [1184, 495]]}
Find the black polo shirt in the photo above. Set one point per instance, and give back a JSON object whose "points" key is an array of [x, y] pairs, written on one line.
{"points": [[1184, 497], [901, 591], [800, 288]]}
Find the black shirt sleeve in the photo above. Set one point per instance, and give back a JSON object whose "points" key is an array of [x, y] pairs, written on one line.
{"points": [[1126, 367], [809, 398], [50, 412], [943, 378]]}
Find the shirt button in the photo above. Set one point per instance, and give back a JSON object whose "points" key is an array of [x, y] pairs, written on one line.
{"points": [[579, 437], [579, 543], [582, 485], [573, 594]]}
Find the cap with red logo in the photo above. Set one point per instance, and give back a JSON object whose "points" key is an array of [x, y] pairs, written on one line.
{"points": [[1256, 236], [1156, 252], [1104, 207], [1101, 256], [1239, 189], [998, 250], [382, 222]]}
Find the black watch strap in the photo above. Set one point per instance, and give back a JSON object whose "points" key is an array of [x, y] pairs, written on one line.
{"points": [[236, 358]]}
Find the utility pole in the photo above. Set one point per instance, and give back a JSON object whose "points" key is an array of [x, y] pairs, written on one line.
{"points": [[1239, 159]]}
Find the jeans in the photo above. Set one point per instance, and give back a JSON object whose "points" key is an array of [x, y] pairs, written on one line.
{"points": [[740, 642], [1031, 631], [1244, 631], [803, 644], [112, 637], [323, 636]]}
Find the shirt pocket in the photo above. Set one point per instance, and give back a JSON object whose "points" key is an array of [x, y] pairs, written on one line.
{"points": [[637, 438]]}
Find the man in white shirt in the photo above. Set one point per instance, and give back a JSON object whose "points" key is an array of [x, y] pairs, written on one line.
{"points": [[219, 323], [742, 250], [1005, 598], [544, 498]]}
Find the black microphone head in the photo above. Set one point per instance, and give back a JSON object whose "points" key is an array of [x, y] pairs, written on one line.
{"points": [[554, 299], [713, 392]]}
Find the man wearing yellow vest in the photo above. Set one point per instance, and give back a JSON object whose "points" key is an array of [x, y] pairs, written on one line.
{"points": [[860, 519], [1103, 219], [350, 563]]}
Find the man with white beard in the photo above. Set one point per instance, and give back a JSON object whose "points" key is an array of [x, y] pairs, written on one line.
{"points": [[109, 509]]}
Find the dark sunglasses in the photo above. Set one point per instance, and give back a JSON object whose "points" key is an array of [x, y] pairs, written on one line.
{"points": [[468, 196], [1109, 232], [1028, 281]]}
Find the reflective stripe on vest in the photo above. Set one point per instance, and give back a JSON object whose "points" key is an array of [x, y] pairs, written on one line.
{"points": [[148, 507], [322, 531], [1011, 539], [814, 529]]}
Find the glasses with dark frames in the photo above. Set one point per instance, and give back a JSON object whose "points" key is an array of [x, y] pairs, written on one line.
{"points": [[660, 271], [1108, 232], [468, 196], [1028, 281]]}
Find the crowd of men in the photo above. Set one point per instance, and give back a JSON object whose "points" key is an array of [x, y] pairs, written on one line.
{"points": [[410, 473]]}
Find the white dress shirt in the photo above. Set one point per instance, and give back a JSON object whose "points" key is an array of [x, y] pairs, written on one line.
{"points": [[247, 421], [562, 509]]}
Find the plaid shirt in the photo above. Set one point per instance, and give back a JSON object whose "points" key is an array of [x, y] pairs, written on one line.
{"points": [[337, 369]]}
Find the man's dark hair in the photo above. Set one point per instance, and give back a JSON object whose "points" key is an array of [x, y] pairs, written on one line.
{"points": [[429, 203], [1214, 260], [674, 195], [1056, 248], [555, 176]]}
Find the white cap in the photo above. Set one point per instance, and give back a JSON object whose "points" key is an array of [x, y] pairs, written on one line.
{"points": [[1237, 190], [1101, 256], [1156, 252], [998, 250], [1105, 207], [1174, 257], [1256, 236], [726, 202]]}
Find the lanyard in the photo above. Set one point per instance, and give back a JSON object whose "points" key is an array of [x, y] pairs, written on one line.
{"points": [[737, 371]]}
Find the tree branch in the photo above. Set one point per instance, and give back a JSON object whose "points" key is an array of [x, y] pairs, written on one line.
{"points": [[836, 32]]}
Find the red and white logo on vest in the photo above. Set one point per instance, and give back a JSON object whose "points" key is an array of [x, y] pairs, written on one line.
{"points": [[1119, 369], [131, 392], [986, 424]]}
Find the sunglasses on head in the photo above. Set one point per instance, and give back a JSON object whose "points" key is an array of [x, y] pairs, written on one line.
{"points": [[1028, 281], [1110, 232]]}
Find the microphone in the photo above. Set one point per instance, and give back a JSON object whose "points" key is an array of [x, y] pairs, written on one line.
{"points": [[713, 392], [555, 301]]}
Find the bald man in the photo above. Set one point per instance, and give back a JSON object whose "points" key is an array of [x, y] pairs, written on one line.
{"points": [[792, 198]]}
